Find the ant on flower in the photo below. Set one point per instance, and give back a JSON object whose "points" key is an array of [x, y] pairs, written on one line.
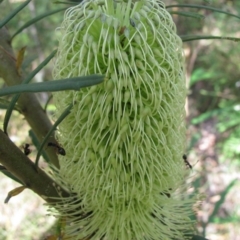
{"points": [[186, 161], [60, 150]]}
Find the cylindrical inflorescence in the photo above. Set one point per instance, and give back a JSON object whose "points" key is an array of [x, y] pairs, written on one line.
{"points": [[124, 138]]}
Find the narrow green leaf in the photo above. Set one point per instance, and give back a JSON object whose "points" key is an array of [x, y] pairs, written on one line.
{"points": [[4, 104], [37, 144], [60, 2], [54, 86], [187, 14], [232, 219], [8, 174], [36, 19], [74, 2], [59, 120], [187, 38], [203, 7], [13, 13], [27, 80], [221, 200]]}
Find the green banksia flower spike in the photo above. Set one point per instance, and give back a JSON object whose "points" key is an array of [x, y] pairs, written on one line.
{"points": [[124, 138]]}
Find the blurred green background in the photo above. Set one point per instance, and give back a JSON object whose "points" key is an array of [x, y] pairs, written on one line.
{"points": [[213, 115]]}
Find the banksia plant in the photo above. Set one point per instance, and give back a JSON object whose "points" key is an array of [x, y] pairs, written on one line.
{"points": [[125, 138]]}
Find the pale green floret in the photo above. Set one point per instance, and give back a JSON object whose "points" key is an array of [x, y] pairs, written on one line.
{"points": [[124, 138]]}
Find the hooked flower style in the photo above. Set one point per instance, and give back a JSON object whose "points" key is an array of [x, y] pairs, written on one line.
{"points": [[124, 138]]}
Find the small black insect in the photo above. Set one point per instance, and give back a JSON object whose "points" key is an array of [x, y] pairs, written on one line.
{"points": [[60, 150], [186, 161], [26, 149]]}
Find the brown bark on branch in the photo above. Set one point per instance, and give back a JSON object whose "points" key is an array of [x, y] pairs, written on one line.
{"points": [[24, 169], [28, 103]]}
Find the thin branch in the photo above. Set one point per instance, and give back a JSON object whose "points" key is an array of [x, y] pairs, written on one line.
{"points": [[28, 103], [16, 162]]}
